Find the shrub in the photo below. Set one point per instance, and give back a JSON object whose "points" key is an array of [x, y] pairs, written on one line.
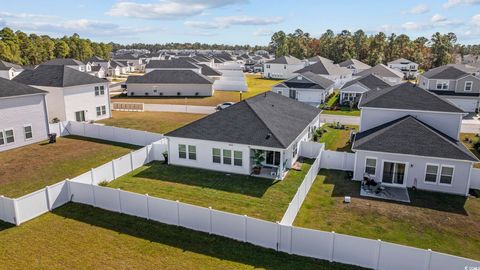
{"points": [[104, 183]]}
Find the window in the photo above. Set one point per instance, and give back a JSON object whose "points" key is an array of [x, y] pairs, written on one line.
{"points": [[192, 152], [28, 132], [446, 175], [370, 166], [101, 110], [9, 137], [216, 158], [227, 156], [102, 90], [468, 86], [431, 173], [442, 85], [182, 151], [237, 158], [2, 139], [99, 90]]}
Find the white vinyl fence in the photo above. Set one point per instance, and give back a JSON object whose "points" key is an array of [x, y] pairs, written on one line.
{"points": [[108, 133], [338, 160], [475, 178]]}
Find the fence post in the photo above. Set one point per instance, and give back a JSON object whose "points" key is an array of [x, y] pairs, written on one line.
{"points": [[15, 211], [428, 257], [379, 249], [69, 190], [92, 173], [279, 236], [2, 198], [178, 212], [210, 216], [147, 156], [113, 170], [245, 228], [47, 195], [148, 206], [332, 247], [131, 160], [92, 176], [291, 239], [119, 200]]}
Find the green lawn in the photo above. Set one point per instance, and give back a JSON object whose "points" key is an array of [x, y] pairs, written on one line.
{"points": [[442, 222], [337, 139], [342, 111], [246, 195], [32, 167], [77, 236], [159, 122], [256, 85], [469, 139], [336, 109]]}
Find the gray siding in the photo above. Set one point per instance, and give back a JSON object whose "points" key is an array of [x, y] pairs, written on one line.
{"points": [[138, 89], [460, 86]]}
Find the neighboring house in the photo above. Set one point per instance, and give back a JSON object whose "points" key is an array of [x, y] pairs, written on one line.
{"points": [[318, 58], [326, 68], [23, 115], [410, 137], [269, 124], [97, 61], [391, 75], [307, 87], [407, 67], [456, 83], [117, 68], [173, 64], [98, 71], [467, 59], [72, 95], [9, 70], [135, 61], [210, 72], [170, 83], [69, 62], [354, 65], [352, 91], [282, 67]]}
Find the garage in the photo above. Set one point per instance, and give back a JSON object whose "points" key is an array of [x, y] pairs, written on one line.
{"points": [[468, 105]]}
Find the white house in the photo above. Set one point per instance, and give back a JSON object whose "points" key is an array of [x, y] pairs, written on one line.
{"points": [[352, 91], [97, 71], [354, 65], [409, 137], [170, 83], [391, 75], [268, 125], [282, 67], [307, 87], [23, 115], [97, 61], [9, 70], [72, 95], [407, 67], [326, 68], [135, 61], [173, 64], [71, 63]]}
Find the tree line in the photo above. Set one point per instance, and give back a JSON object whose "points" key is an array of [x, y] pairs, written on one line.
{"points": [[373, 49], [187, 46], [20, 48]]}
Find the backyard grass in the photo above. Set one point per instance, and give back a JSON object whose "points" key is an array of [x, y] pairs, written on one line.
{"points": [[246, 195], [256, 85], [337, 139], [442, 222], [469, 139], [159, 122], [77, 236], [29, 168], [342, 110]]}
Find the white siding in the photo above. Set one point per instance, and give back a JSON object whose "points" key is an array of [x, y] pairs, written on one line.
{"points": [[280, 71], [204, 90]]}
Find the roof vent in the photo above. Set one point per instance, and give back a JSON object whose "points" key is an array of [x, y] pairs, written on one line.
{"points": [[268, 136]]}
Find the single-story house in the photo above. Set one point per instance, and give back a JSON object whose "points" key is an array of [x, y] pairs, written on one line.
{"points": [[97, 71], [232, 140], [307, 87], [173, 64], [170, 83], [354, 65], [391, 75], [9, 70], [353, 90], [69, 62], [326, 68]]}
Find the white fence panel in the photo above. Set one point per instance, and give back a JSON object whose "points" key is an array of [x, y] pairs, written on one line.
{"points": [[311, 243], [284, 238], [7, 210], [58, 194], [123, 135], [228, 225], [139, 158], [262, 233], [440, 261], [338, 160], [158, 148], [103, 173], [310, 149], [355, 250], [76, 128], [475, 178], [106, 133], [194, 217], [32, 205], [398, 257], [164, 211], [92, 131], [123, 165], [81, 193], [107, 198], [59, 128], [134, 204], [83, 178]]}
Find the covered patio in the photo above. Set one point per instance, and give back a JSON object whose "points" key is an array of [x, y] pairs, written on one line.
{"points": [[268, 163], [399, 194]]}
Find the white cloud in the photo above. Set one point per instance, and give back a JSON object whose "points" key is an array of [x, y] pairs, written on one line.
{"points": [[419, 9], [455, 3], [167, 9], [476, 20], [262, 32], [228, 21], [25, 16], [438, 18], [411, 26]]}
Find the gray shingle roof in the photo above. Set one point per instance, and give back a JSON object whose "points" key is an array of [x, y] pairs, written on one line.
{"points": [[401, 61], [56, 76], [172, 77], [370, 81], [410, 136], [268, 119], [407, 96], [447, 72], [4, 65], [355, 63], [286, 60], [170, 64], [10, 88], [382, 71], [319, 58], [307, 80], [208, 71], [325, 67], [96, 59], [64, 62]]}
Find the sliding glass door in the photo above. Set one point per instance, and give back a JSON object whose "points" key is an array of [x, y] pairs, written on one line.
{"points": [[393, 173]]}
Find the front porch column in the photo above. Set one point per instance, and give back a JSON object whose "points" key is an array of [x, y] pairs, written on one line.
{"points": [[281, 161]]}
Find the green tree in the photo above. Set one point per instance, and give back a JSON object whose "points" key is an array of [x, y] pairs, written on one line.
{"points": [[61, 49]]}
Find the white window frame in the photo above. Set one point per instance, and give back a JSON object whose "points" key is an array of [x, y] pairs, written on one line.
{"points": [[436, 177], [230, 157], [471, 86], [442, 83], [440, 175], [241, 159], [190, 152], [376, 163], [219, 156], [186, 151], [25, 134], [5, 136], [97, 90], [405, 176]]}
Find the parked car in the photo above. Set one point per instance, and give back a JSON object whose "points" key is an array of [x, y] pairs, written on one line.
{"points": [[224, 105]]}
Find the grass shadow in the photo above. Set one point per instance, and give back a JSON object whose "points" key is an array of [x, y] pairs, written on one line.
{"points": [[119, 144], [418, 198], [5, 226], [193, 241]]}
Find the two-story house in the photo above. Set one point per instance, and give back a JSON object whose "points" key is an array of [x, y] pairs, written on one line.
{"points": [[354, 65], [282, 67], [326, 68], [456, 83], [407, 67], [71, 63], [72, 95], [9, 70], [410, 137], [173, 64], [390, 75]]}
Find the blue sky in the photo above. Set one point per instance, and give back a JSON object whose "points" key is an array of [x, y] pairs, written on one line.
{"points": [[237, 21]]}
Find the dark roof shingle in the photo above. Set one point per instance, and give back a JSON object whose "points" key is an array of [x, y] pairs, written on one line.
{"points": [[56, 76], [10, 88]]}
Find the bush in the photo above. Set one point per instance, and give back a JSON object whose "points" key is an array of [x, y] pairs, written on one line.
{"points": [[104, 183]]}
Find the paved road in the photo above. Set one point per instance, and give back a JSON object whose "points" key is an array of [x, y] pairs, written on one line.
{"points": [[179, 108]]}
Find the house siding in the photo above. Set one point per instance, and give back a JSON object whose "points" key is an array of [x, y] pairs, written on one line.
{"points": [[305, 95], [280, 71], [139, 89]]}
